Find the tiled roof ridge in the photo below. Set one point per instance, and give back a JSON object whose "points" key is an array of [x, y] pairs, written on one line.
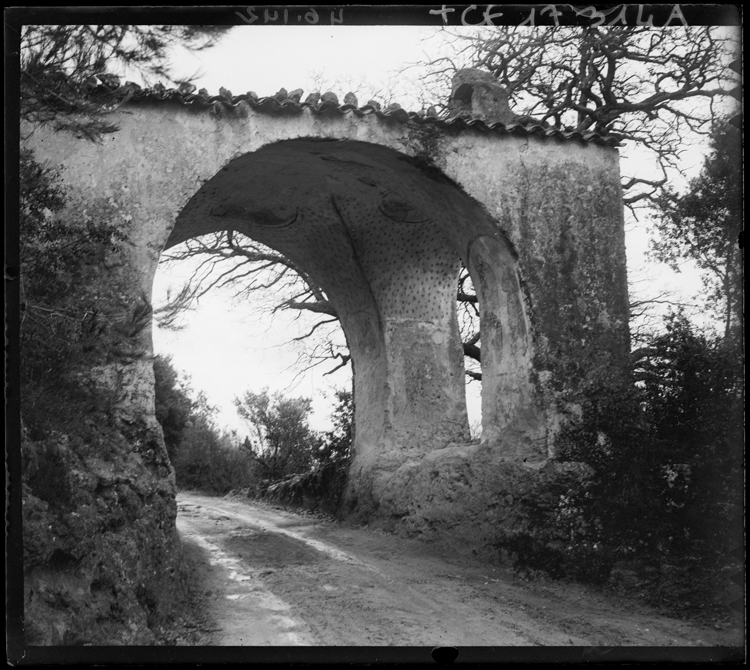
{"points": [[290, 102]]}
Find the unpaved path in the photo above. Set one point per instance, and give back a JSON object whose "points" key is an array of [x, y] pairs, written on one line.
{"points": [[271, 577]]}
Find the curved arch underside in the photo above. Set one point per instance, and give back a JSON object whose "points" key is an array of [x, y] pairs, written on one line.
{"points": [[383, 235]]}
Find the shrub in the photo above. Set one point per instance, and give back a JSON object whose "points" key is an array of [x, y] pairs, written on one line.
{"points": [[322, 485], [667, 484], [283, 441]]}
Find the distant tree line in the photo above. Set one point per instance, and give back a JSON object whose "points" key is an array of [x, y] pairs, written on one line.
{"points": [[280, 451]]}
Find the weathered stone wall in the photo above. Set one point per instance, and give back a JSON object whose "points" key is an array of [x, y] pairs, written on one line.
{"points": [[381, 213], [560, 206]]}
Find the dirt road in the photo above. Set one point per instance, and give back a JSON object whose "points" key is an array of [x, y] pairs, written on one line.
{"points": [[271, 577]]}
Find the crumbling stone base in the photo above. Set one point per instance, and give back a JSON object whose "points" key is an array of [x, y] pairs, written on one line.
{"points": [[465, 499]]}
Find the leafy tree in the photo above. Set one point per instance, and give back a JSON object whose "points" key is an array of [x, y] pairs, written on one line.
{"points": [[334, 455], [690, 384], [283, 442], [42, 198], [209, 460], [704, 225], [203, 457], [62, 65], [322, 484], [693, 399]]}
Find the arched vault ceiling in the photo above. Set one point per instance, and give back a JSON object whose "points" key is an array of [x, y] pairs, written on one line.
{"points": [[281, 184], [346, 212]]}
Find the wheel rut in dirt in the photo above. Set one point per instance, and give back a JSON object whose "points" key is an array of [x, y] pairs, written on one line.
{"points": [[274, 578]]}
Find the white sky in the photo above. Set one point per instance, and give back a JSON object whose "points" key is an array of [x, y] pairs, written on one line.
{"points": [[229, 348]]}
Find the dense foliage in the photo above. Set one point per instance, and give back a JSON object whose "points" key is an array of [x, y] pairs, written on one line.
{"points": [[173, 404], [336, 444], [322, 486], [282, 442], [211, 461], [204, 458], [316, 464], [663, 491]]}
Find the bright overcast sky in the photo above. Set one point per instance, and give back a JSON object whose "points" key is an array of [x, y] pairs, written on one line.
{"points": [[266, 58], [228, 348]]}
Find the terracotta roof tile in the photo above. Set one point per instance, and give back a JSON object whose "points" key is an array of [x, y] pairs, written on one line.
{"points": [[275, 105]]}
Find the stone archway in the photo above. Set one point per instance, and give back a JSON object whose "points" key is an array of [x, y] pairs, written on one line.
{"points": [[535, 214], [380, 206], [383, 234]]}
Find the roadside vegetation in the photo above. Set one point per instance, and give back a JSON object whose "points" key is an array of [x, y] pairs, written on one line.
{"points": [[280, 458], [659, 511]]}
